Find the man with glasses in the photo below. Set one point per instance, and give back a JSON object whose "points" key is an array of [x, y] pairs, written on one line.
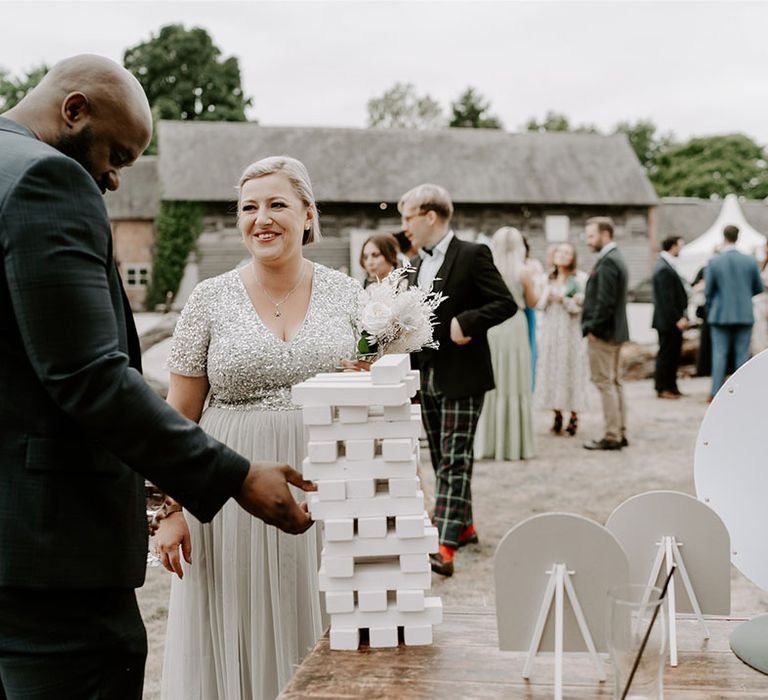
{"points": [[455, 377]]}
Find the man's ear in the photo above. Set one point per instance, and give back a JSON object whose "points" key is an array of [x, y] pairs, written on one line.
{"points": [[431, 217], [75, 109]]}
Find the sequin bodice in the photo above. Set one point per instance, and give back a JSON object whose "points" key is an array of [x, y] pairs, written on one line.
{"points": [[220, 335]]}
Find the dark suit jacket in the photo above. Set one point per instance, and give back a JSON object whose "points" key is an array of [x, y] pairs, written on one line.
{"points": [[605, 299], [670, 300], [79, 427], [731, 279], [479, 298]]}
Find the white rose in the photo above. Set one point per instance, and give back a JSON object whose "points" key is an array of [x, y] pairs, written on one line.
{"points": [[375, 317]]}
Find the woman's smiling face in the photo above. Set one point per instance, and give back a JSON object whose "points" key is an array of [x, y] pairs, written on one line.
{"points": [[272, 217]]}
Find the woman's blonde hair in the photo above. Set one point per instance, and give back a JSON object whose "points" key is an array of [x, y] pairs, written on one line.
{"points": [[508, 250], [297, 175]]}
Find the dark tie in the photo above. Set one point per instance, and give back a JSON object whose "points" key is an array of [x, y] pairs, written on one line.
{"points": [[428, 251]]}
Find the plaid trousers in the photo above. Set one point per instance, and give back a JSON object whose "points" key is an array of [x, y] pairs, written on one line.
{"points": [[450, 425]]}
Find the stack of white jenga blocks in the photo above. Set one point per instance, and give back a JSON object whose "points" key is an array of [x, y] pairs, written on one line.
{"points": [[363, 455]]}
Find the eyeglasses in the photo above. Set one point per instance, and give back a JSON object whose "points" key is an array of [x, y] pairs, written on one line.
{"points": [[406, 219]]}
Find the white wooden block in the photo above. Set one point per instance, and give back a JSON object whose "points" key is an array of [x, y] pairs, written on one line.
{"points": [[353, 414], [317, 415], [358, 450], [375, 468], [361, 488], [409, 426], [408, 601], [402, 412], [415, 380], [382, 637], [340, 567], [391, 617], [331, 490], [380, 504], [350, 377], [388, 546], [370, 528], [374, 577], [344, 639], [339, 530], [408, 526], [415, 635], [343, 393], [414, 563], [371, 601], [397, 450], [323, 452], [403, 488], [390, 369], [339, 602]]}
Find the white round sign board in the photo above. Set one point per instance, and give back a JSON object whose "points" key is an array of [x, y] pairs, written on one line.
{"points": [[731, 465]]}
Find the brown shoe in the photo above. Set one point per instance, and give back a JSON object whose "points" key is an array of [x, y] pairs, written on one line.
{"points": [[669, 395], [440, 565]]}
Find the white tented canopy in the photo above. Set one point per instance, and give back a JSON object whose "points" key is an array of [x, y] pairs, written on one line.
{"points": [[695, 254]]}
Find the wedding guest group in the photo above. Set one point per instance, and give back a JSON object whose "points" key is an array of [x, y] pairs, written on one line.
{"points": [[731, 280], [248, 608], [76, 413], [505, 426], [604, 324], [670, 304], [456, 376], [563, 368]]}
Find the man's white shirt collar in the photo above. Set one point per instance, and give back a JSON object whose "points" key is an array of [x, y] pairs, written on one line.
{"points": [[440, 248], [607, 248], [671, 259], [431, 264]]}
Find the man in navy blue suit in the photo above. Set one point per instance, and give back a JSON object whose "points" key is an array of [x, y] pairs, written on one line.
{"points": [[731, 280]]}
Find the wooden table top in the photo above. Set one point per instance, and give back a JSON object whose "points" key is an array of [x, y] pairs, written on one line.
{"points": [[465, 662]]}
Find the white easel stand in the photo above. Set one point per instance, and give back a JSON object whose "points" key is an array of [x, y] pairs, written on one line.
{"points": [[560, 582], [668, 552]]}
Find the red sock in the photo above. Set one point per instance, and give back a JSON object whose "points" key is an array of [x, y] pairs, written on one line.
{"points": [[469, 531], [447, 552]]}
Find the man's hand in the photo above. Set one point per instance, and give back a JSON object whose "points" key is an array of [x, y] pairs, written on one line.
{"points": [[457, 335], [682, 324], [591, 336], [265, 494]]}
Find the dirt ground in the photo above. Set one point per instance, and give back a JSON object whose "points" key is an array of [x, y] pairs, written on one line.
{"points": [[563, 477]]}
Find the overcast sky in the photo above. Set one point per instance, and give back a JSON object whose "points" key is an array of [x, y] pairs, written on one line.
{"points": [[694, 68]]}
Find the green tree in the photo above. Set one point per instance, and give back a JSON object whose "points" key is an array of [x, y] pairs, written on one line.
{"points": [[556, 121], [178, 226], [712, 166], [471, 111], [185, 77], [12, 90], [647, 143], [401, 107]]}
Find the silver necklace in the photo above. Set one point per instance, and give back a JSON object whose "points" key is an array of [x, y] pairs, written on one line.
{"points": [[278, 304]]}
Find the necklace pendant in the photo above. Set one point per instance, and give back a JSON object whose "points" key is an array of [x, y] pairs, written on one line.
{"points": [[277, 313]]}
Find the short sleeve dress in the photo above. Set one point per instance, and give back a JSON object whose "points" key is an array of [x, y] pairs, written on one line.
{"points": [[248, 607]]}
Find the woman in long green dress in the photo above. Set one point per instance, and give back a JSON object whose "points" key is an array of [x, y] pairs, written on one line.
{"points": [[505, 429]]}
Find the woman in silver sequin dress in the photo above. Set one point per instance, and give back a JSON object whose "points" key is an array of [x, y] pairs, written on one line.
{"points": [[248, 609]]}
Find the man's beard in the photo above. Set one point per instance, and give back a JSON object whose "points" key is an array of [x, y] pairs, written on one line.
{"points": [[79, 147]]}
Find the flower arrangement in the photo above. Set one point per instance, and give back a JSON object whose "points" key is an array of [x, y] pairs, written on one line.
{"points": [[394, 318]]}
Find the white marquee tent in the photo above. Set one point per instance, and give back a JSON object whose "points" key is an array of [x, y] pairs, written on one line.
{"points": [[695, 254]]}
